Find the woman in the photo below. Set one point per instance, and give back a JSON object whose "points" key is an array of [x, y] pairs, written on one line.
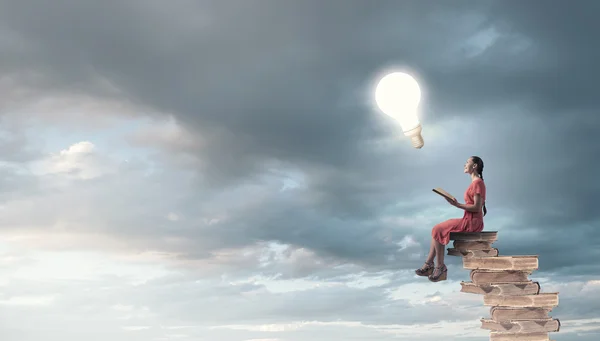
{"points": [[472, 221]]}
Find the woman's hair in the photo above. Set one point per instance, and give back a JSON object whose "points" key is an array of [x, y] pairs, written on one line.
{"points": [[479, 162]]}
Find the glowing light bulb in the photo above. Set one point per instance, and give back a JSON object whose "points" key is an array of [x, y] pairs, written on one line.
{"points": [[398, 95]]}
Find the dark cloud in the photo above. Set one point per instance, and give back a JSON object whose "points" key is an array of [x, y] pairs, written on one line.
{"points": [[289, 83], [276, 91]]}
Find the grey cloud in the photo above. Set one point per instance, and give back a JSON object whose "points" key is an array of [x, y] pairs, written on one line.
{"points": [[285, 85], [199, 303], [184, 300], [261, 84]]}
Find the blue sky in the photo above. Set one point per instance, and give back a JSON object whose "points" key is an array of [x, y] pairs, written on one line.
{"points": [[165, 177]]}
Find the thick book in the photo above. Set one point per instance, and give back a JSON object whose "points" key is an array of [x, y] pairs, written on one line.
{"points": [[443, 193]]}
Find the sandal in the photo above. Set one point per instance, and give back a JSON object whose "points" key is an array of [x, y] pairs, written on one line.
{"points": [[440, 273], [425, 270]]}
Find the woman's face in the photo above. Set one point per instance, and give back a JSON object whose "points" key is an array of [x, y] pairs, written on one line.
{"points": [[469, 166]]}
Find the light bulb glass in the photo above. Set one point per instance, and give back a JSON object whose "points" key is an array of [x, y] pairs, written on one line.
{"points": [[398, 95]]}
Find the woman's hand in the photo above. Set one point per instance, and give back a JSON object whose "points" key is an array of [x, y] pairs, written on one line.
{"points": [[452, 202]]}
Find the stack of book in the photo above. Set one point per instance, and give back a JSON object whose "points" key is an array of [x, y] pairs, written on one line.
{"points": [[518, 310]]}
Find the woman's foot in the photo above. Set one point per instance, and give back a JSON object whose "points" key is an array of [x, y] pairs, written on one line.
{"points": [[440, 273], [425, 270]]}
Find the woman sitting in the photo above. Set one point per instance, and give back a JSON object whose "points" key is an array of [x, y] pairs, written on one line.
{"points": [[472, 221]]}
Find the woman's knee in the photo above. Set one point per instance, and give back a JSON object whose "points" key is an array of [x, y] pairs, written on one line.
{"points": [[437, 228]]}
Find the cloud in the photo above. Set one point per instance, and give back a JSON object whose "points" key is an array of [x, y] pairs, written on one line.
{"points": [[78, 160], [208, 170]]}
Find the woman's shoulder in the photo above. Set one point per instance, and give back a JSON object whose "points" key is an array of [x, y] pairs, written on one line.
{"points": [[478, 182]]}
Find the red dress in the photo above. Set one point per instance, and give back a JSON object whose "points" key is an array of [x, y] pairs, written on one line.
{"points": [[470, 222]]}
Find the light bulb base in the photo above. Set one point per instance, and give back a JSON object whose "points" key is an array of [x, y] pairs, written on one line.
{"points": [[416, 139]]}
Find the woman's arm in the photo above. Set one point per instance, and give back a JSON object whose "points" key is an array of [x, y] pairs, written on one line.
{"points": [[472, 208]]}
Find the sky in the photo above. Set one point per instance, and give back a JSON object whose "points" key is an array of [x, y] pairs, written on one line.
{"points": [[218, 170]]}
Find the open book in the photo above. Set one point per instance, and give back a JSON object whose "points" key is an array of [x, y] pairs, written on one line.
{"points": [[443, 193]]}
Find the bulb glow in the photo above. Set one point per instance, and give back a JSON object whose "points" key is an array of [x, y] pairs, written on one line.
{"points": [[398, 96]]}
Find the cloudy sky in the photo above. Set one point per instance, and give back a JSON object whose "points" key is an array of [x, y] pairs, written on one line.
{"points": [[217, 170]]}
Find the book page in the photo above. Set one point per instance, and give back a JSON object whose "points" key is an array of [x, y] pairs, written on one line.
{"points": [[443, 193]]}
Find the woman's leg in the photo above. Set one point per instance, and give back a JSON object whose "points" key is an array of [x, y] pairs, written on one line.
{"points": [[432, 252], [439, 233], [439, 251], [440, 237], [427, 268], [440, 272]]}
